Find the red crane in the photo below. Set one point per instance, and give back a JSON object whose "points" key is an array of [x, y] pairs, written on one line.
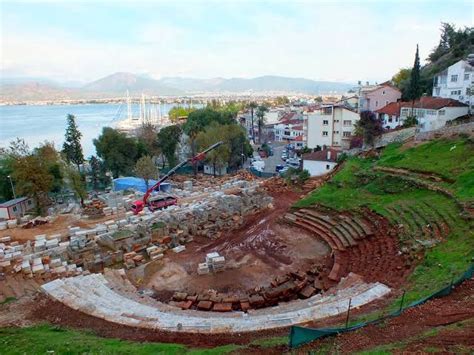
{"points": [[161, 202]]}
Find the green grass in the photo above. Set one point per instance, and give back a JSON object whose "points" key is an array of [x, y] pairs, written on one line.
{"points": [[49, 339], [271, 342], [447, 158], [358, 185], [8, 300]]}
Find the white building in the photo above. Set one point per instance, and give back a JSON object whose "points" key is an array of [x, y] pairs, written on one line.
{"points": [[331, 125], [456, 82], [433, 112], [321, 162]]}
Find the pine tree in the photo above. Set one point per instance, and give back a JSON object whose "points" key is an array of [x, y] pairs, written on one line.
{"points": [[72, 148]]}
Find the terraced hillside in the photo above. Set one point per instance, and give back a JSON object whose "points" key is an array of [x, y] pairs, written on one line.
{"points": [[426, 192]]}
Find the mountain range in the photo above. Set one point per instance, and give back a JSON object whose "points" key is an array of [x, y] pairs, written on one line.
{"points": [[116, 85]]}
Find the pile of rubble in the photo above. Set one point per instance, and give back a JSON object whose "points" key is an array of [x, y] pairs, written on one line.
{"points": [[289, 287], [95, 208]]}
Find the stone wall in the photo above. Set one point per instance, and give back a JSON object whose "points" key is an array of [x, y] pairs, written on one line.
{"points": [[467, 128]]}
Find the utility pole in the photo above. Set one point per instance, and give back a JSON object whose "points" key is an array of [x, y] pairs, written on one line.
{"points": [[13, 187]]}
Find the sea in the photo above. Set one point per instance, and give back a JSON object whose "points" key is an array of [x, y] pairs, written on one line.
{"points": [[39, 123]]}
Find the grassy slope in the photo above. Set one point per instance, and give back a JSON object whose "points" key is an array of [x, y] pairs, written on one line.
{"points": [[48, 339], [358, 185]]}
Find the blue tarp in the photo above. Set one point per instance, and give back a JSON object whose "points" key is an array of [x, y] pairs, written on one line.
{"points": [[134, 183]]}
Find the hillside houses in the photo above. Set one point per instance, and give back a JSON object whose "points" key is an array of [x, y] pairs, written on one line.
{"points": [[456, 82], [374, 97], [431, 112]]}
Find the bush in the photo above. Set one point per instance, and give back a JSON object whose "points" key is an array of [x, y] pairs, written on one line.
{"points": [[296, 176], [410, 122]]}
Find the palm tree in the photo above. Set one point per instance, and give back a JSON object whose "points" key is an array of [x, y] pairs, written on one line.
{"points": [[252, 106], [261, 115]]}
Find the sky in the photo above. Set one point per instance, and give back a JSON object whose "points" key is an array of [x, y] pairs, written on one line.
{"points": [[342, 41]]}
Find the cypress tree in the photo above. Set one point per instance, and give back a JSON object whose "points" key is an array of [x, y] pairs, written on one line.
{"points": [[72, 148], [415, 88]]}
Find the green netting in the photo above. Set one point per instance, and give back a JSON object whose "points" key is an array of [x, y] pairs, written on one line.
{"points": [[301, 335]]}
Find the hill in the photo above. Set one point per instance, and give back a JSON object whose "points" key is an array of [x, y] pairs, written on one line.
{"points": [[119, 83], [259, 84]]}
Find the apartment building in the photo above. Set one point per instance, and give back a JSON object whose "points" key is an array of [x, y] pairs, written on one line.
{"points": [[331, 125]]}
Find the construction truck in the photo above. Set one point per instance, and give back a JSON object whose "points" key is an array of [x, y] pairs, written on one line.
{"points": [[158, 202]]}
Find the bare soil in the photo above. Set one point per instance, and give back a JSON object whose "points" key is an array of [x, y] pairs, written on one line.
{"points": [[59, 226], [255, 253]]}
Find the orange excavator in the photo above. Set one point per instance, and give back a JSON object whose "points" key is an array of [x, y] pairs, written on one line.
{"points": [[154, 203]]}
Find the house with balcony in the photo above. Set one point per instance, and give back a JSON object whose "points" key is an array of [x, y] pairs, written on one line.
{"points": [[374, 97], [331, 126], [456, 82]]}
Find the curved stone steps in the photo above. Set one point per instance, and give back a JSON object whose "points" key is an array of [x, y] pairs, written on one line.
{"points": [[315, 224], [92, 295], [317, 231]]}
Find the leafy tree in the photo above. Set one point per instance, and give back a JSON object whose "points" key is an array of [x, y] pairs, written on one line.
{"points": [[148, 140], [48, 153], [198, 121], [33, 179], [146, 169], [218, 157], [252, 106], [282, 100], [168, 139], [369, 127], [402, 81], [118, 151], [261, 110], [6, 192], [72, 148], [236, 139], [318, 99], [76, 183], [178, 112]]}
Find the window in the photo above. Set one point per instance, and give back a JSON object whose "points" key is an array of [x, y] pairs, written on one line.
{"points": [[383, 92], [328, 167], [336, 132], [29, 202], [347, 122], [396, 119], [404, 112], [386, 102], [325, 122], [466, 76], [14, 209], [456, 92], [336, 121], [442, 112], [390, 119], [468, 91], [325, 133], [376, 103], [431, 112], [454, 78], [346, 134], [336, 143]]}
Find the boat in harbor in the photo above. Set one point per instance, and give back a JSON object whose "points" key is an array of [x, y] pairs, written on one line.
{"points": [[148, 114]]}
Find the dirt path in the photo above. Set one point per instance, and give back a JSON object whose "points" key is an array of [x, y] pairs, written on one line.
{"points": [[458, 306]]}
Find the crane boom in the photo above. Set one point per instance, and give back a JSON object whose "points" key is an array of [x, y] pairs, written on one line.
{"points": [[197, 157]]}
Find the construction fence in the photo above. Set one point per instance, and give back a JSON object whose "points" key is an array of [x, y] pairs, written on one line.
{"points": [[301, 335]]}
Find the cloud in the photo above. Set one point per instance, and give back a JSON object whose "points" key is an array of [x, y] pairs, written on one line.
{"points": [[341, 42]]}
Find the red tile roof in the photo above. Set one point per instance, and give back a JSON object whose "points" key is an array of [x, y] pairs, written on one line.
{"points": [[392, 109], [428, 102], [434, 103], [322, 155]]}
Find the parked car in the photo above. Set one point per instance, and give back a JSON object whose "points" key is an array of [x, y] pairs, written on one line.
{"points": [[284, 156], [278, 168]]}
